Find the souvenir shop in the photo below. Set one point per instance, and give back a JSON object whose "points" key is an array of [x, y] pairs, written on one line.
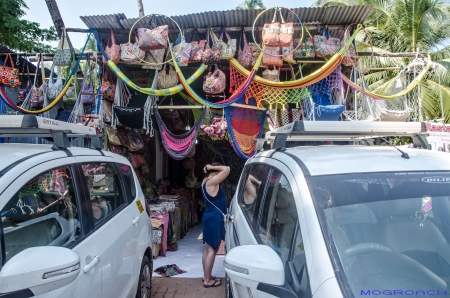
{"points": [[175, 93]]}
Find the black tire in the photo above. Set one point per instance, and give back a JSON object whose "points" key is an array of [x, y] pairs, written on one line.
{"points": [[144, 289]]}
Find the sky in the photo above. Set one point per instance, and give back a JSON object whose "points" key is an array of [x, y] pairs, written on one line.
{"points": [[72, 10]]}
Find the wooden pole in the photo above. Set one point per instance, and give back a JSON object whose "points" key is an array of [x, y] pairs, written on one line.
{"points": [[140, 8], [57, 19]]}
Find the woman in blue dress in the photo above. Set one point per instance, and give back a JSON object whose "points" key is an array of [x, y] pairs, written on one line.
{"points": [[213, 223]]}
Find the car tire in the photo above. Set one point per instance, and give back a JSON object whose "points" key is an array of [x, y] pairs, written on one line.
{"points": [[144, 289]]}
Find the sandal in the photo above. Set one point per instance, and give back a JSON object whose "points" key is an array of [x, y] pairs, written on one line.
{"points": [[216, 283], [212, 277]]}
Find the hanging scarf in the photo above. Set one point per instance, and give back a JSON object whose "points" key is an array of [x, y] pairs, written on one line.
{"points": [[244, 126], [178, 146]]}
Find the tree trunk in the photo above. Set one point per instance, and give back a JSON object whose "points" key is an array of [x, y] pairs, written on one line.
{"points": [[57, 19], [140, 8]]}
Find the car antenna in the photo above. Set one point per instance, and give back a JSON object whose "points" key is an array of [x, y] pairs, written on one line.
{"points": [[404, 154]]}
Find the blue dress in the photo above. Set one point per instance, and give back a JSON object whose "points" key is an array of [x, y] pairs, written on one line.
{"points": [[212, 221]]}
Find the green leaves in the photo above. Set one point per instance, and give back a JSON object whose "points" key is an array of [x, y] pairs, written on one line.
{"points": [[22, 35]]}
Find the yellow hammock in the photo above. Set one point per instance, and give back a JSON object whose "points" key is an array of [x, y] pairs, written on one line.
{"points": [[308, 80]]}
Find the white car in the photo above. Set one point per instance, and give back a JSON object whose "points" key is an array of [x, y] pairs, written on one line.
{"points": [[341, 221], [73, 220]]}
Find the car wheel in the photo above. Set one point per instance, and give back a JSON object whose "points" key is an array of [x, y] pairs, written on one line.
{"points": [[145, 279]]}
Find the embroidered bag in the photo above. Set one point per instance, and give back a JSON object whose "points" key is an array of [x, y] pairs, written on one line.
{"points": [[130, 117], [245, 53], [113, 51], [181, 51], [167, 77], [130, 53], [305, 50], [54, 88], [350, 57], [227, 49], [197, 49], [116, 149], [71, 95], [288, 54], [87, 90], [9, 76], [325, 45], [63, 55], [107, 111], [23, 93], [269, 60], [215, 81], [271, 75], [276, 34], [137, 160], [211, 55], [135, 142], [111, 133], [108, 88], [255, 52], [153, 39]]}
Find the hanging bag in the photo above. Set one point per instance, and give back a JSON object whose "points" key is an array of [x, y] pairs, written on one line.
{"points": [[245, 53], [167, 77], [215, 81], [23, 93], [9, 75], [350, 57], [111, 133], [54, 88], [226, 49], [135, 141], [87, 90], [306, 49], [271, 74], [153, 39], [325, 45], [108, 87], [71, 95], [113, 51], [63, 55], [197, 49], [276, 34], [37, 93], [272, 57], [211, 55], [181, 51], [130, 53]]}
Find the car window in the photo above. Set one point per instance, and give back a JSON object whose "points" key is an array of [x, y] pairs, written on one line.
{"points": [[104, 186], [278, 215], [252, 188], [127, 173], [43, 212]]}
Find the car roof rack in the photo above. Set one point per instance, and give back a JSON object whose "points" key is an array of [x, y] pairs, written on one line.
{"points": [[342, 131], [59, 131]]}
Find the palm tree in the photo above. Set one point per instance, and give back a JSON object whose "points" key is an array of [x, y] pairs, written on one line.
{"points": [[251, 4], [140, 8], [408, 26]]}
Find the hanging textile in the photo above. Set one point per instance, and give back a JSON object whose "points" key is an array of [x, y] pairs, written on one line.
{"points": [[148, 91], [244, 126], [237, 94], [68, 83], [178, 146], [308, 80], [265, 95], [324, 110]]}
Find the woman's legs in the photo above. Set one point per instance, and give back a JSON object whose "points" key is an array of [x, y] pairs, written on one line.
{"points": [[209, 255]]}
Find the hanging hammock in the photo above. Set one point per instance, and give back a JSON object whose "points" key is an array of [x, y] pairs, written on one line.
{"points": [[178, 146], [237, 94], [148, 91], [321, 106], [244, 126], [379, 109], [57, 99], [308, 80], [405, 91]]}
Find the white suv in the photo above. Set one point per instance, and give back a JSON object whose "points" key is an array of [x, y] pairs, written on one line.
{"points": [[341, 221], [73, 220]]}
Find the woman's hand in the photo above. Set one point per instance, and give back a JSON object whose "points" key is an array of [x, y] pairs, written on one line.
{"points": [[205, 169]]}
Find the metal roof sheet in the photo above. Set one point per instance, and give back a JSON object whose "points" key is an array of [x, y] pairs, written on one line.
{"points": [[337, 15]]}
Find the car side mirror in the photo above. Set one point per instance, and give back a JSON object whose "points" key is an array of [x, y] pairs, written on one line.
{"points": [[39, 269], [250, 265]]}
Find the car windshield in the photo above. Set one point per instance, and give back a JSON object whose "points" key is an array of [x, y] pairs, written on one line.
{"points": [[387, 233]]}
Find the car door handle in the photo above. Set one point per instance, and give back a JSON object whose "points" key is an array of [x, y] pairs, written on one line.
{"points": [[136, 220], [91, 265]]}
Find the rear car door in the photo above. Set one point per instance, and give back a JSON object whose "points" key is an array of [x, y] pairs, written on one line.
{"points": [[115, 222], [43, 206]]}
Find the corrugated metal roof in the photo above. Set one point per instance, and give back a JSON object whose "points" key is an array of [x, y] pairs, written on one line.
{"points": [[337, 15]]}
